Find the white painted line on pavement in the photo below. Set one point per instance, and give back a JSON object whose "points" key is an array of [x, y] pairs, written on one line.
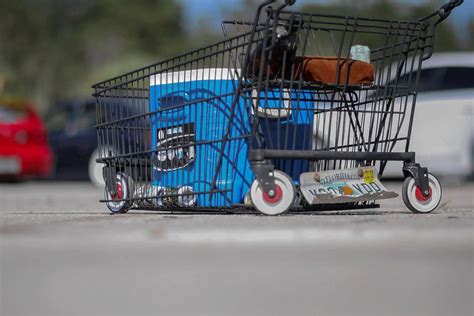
{"points": [[313, 235], [253, 236]]}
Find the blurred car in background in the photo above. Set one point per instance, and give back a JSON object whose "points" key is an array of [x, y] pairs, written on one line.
{"points": [[443, 129], [74, 141], [24, 149]]}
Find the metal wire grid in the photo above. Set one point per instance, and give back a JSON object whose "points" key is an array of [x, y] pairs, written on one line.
{"points": [[371, 118], [125, 120], [343, 117]]}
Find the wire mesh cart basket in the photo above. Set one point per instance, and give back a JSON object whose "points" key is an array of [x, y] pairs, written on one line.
{"points": [[288, 111]]}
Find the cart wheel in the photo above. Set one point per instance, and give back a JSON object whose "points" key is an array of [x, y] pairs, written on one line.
{"points": [[282, 199], [119, 204], [414, 198]]}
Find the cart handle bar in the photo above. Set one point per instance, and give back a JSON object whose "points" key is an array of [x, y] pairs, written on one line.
{"points": [[287, 2], [444, 11]]}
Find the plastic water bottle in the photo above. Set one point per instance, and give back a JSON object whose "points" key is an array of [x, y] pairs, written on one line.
{"points": [[360, 52]]}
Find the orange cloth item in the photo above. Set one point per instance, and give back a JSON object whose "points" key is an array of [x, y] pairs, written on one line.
{"points": [[313, 69], [325, 69]]}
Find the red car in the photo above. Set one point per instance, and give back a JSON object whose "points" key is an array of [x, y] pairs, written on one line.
{"points": [[24, 149]]}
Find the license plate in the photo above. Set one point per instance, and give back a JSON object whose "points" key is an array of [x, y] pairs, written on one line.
{"points": [[343, 186], [9, 166]]}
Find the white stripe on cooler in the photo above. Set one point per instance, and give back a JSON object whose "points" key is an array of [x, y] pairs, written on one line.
{"points": [[194, 75]]}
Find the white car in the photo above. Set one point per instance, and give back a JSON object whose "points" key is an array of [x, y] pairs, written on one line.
{"points": [[443, 130]]}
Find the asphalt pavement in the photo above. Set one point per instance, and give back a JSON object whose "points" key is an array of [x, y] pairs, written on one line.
{"points": [[61, 253]]}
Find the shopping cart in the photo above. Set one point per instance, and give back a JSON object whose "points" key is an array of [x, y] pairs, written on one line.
{"points": [[290, 110]]}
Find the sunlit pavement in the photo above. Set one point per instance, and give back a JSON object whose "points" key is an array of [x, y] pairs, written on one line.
{"points": [[62, 253]]}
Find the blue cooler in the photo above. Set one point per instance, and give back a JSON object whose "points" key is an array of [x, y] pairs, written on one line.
{"points": [[190, 114], [287, 126]]}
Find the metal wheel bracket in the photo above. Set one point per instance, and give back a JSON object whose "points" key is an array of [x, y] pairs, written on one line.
{"points": [[263, 171], [419, 174], [110, 177]]}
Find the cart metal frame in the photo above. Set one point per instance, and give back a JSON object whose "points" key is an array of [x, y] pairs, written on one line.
{"points": [[352, 124]]}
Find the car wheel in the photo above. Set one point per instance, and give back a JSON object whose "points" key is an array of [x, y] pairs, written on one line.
{"points": [[95, 168]]}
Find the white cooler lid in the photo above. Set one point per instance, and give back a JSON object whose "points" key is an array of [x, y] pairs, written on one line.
{"points": [[194, 75]]}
